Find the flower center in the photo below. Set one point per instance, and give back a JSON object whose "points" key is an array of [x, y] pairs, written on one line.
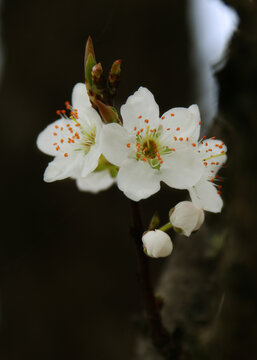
{"points": [[149, 148]]}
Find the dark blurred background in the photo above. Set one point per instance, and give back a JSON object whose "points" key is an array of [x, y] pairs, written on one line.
{"points": [[68, 268]]}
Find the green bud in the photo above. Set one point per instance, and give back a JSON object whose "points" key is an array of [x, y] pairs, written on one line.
{"points": [[114, 76]]}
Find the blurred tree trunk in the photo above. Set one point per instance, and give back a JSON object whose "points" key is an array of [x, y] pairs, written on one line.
{"points": [[209, 284]]}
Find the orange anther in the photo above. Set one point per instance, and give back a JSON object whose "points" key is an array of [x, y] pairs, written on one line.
{"points": [[220, 146], [57, 147], [212, 171], [144, 159], [172, 114], [175, 138], [214, 137], [161, 162], [55, 143], [128, 145], [187, 139], [54, 134], [58, 112], [206, 144], [135, 128], [146, 121], [141, 130], [180, 139], [211, 179], [217, 163], [173, 149], [205, 163], [61, 140], [200, 123], [219, 192], [219, 187], [163, 117], [66, 155], [168, 129], [178, 128], [204, 137], [140, 116], [63, 111], [193, 144], [56, 126]]}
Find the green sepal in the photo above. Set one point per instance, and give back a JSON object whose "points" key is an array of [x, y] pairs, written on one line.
{"points": [[109, 113]]}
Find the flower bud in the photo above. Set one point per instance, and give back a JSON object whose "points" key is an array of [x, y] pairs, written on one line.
{"points": [[185, 217], [157, 243]]}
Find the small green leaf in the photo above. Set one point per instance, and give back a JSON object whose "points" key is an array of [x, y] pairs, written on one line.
{"points": [[90, 63]]}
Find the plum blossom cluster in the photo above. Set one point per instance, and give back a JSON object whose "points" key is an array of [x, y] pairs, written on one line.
{"points": [[136, 152]]}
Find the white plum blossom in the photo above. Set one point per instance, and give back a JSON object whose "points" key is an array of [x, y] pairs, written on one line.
{"points": [[186, 217], [205, 194], [157, 243], [149, 149], [73, 140]]}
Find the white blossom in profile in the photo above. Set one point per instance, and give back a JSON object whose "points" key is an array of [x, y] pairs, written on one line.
{"points": [[157, 243], [73, 140], [149, 149], [206, 194]]}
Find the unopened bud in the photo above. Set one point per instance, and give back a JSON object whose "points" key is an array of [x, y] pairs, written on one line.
{"points": [[114, 76], [185, 217], [157, 244]]}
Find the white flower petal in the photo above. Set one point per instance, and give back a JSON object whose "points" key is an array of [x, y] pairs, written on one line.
{"points": [[90, 160], [49, 136], [96, 181], [157, 243], [138, 180], [61, 168], [204, 195], [187, 217], [114, 140], [182, 122], [139, 107], [181, 168], [213, 153], [80, 97]]}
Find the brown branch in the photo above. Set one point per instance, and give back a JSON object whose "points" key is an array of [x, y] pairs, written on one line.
{"points": [[160, 337]]}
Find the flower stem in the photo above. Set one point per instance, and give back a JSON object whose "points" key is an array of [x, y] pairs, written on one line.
{"points": [[166, 227], [159, 335]]}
